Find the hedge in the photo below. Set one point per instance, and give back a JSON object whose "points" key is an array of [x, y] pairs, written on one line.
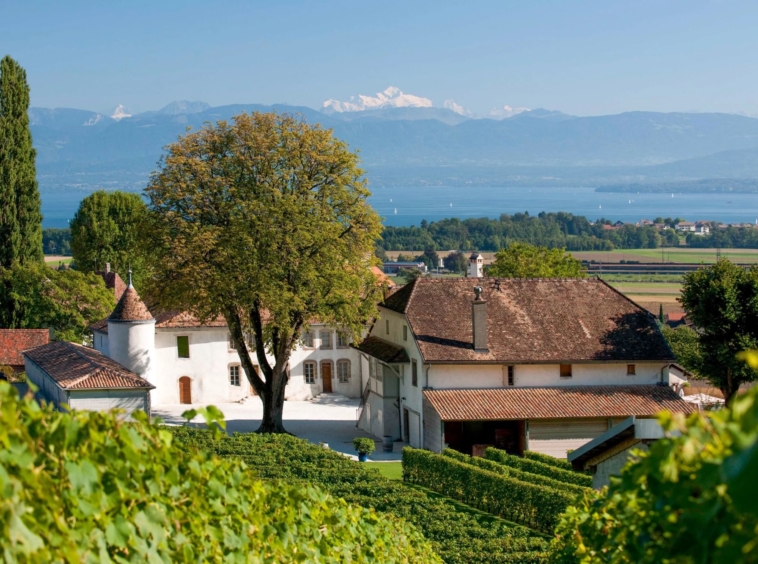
{"points": [[457, 536], [88, 487], [515, 473], [534, 467], [547, 459], [534, 506]]}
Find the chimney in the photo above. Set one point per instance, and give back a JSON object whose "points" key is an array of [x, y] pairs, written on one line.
{"points": [[107, 267], [479, 319]]}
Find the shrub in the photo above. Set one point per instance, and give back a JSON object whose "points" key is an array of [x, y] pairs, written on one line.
{"points": [[87, 487], [535, 467], [690, 498], [547, 459], [515, 473], [364, 445], [457, 536], [532, 505]]}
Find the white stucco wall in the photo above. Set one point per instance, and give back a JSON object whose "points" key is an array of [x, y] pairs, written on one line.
{"points": [[104, 400], [132, 345], [100, 343], [47, 388]]}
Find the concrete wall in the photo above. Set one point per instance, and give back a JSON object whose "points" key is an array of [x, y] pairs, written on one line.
{"points": [[612, 466], [47, 389], [104, 400], [100, 343], [432, 428]]}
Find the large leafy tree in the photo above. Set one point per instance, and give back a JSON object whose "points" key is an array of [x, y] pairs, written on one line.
{"points": [[685, 344], [66, 301], [722, 302], [106, 228], [265, 221], [522, 260], [456, 262], [20, 215]]}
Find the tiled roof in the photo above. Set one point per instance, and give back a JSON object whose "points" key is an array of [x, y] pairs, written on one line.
{"points": [[130, 308], [384, 351], [554, 403], [13, 341], [75, 367], [177, 318], [113, 282], [529, 320], [382, 277]]}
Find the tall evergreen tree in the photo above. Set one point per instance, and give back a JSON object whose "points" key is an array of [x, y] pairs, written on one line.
{"points": [[20, 215]]}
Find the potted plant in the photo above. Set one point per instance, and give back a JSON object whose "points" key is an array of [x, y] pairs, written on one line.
{"points": [[364, 447]]}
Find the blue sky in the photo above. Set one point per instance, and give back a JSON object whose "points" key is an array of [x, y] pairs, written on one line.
{"points": [[580, 57]]}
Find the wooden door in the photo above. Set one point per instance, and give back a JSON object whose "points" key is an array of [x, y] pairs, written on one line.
{"points": [[326, 377], [185, 390]]}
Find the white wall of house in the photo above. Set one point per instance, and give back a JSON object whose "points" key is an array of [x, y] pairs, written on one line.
{"points": [[103, 400], [47, 388], [100, 343], [132, 345]]}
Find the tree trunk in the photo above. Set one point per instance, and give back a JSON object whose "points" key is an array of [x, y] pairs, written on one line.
{"points": [[728, 388], [273, 409]]}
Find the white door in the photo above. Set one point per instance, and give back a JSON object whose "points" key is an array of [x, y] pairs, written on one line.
{"points": [[414, 429]]}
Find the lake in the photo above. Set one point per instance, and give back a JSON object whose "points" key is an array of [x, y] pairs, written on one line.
{"points": [[435, 203]]}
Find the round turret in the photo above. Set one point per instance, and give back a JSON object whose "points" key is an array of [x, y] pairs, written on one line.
{"points": [[131, 333]]}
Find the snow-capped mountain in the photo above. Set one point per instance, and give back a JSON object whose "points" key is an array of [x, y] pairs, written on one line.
{"points": [[392, 97], [457, 108], [506, 112], [120, 113]]}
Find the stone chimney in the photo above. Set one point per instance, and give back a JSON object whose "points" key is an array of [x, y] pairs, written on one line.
{"points": [[107, 267], [479, 320]]}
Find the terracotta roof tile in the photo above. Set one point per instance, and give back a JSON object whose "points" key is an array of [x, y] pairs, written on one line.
{"points": [[75, 367], [14, 341], [552, 403], [384, 351], [176, 318], [130, 308], [529, 320], [113, 282]]}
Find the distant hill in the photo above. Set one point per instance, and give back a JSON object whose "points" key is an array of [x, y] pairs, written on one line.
{"points": [[83, 150]]}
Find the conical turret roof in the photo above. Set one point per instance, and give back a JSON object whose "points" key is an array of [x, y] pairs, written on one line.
{"points": [[130, 308]]}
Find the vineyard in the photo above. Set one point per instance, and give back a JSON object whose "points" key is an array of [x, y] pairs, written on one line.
{"points": [[458, 536]]}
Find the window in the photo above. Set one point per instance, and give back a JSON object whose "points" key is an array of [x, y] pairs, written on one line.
{"points": [[232, 344], [343, 341], [234, 375], [405, 332], [343, 371], [387, 326], [182, 346], [308, 339], [414, 373], [511, 381], [326, 339], [566, 371], [631, 369], [309, 372]]}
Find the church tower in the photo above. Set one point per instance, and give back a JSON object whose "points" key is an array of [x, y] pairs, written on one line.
{"points": [[476, 266], [131, 333]]}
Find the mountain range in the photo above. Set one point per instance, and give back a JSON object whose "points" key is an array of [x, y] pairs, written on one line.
{"points": [[404, 143]]}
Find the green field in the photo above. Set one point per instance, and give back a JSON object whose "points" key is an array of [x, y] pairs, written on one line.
{"points": [[54, 260], [669, 254], [391, 470]]}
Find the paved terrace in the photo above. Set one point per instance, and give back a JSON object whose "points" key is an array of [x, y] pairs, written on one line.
{"points": [[328, 418]]}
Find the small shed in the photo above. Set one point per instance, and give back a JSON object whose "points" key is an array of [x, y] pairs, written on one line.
{"points": [[607, 454], [67, 374]]}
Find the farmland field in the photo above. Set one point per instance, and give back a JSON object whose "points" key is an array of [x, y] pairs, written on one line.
{"points": [[670, 254]]}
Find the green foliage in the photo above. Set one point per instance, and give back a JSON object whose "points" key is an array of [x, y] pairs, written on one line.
{"points": [[430, 258], [88, 487], [66, 301], [547, 459], [685, 344], [458, 535], [264, 220], [56, 241], [456, 262], [516, 474], [20, 215], [535, 506], [409, 274], [106, 228], [722, 302], [521, 260], [552, 230], [538, 467], [364, 445], [689, 499]]}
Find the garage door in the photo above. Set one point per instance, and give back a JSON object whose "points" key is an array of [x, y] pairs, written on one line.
{"points": [[558, 436], [414, 429]]}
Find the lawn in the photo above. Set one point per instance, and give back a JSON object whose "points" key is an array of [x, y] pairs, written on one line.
{"points": [[391, 470], [669, 254], [54, 260]]}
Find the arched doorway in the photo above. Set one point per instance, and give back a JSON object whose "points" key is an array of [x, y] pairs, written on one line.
{"points": [[185, 390]]}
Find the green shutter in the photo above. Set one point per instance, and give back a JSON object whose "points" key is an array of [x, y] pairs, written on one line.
{"points": [[182, 344]]}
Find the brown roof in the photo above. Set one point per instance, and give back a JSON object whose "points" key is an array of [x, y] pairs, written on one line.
{"points": [[384, 351], [14, 341], [554, 403], [130, 308], [529, 320], [113, 282], [382, 277], [75, 367], [185, 319]]}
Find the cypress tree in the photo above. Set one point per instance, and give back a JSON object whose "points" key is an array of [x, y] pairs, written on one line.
{"points": [[20, 215]]}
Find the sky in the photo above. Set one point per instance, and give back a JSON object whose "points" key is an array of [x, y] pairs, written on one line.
{"points": [[580, 57]]}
